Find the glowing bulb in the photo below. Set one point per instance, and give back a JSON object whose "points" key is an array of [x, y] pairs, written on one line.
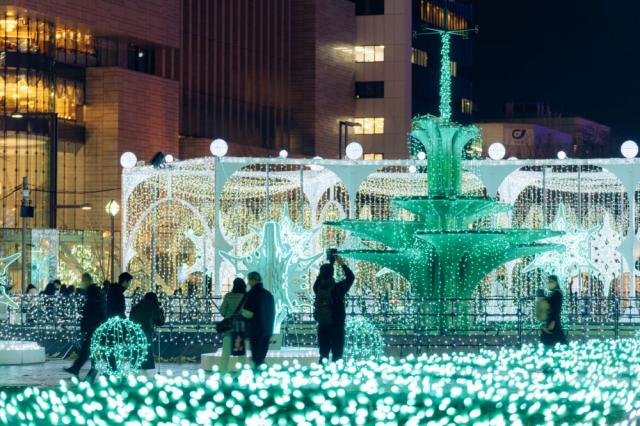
{"points": [[422, 155], [354, 151], [128, 160], [219, 147], [283, 153], [412, 169], [562, 155], [169, 158], [316, 167], [629, 149], [496, 151]]}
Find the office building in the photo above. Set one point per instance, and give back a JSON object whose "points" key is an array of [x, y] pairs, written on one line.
{"points": [[397, 73]]}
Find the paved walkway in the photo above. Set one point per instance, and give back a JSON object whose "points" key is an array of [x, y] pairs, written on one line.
{"points": [[51, 372]]}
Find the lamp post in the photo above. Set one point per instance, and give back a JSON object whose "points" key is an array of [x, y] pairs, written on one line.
{"points": [[112, 209], [346, 125]]}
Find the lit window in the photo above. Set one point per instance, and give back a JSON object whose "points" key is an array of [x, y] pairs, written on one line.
{"points": [[454, 68], [419, 57], [373, 156], [369, 126], [434, 14], [369, 53], [467, 106]]}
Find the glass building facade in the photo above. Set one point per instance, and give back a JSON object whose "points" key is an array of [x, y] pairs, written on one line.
{"points": [[42, 88]]}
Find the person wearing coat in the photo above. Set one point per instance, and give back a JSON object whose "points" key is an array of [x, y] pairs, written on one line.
{"points": [[148, 314], [93, 315], [230, 304], [260, 311], [115, 298]]}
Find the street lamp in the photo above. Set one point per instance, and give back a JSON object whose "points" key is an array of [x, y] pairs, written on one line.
{"points": [[346, 125], [112, 209]]}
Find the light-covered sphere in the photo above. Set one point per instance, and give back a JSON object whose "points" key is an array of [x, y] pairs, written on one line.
{"points": [[354, 151], [219, 147], [629, 149], [283, 153], [412, 169], [118, 347], [496, 151], [422, 155], [316, 167], [169, 158], [128, 160], [562, 155]]}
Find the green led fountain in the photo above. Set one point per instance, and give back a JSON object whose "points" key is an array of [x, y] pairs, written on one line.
{"points": [[444, 252]]}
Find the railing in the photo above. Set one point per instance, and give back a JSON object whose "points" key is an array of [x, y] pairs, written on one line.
{"points": [[408, 324]]}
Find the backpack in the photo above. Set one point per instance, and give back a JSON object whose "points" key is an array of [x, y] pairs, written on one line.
{"points": [[323, 305]]}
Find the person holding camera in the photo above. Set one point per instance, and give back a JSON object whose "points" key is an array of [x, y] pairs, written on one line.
{"points": [[329, 309]]}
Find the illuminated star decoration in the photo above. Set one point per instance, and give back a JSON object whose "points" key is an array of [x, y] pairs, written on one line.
{"points": [[4, 280], [605, 255], [204, 250], [282, 261], [574, 259]]}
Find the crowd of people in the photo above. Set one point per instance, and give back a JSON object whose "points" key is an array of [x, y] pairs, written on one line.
{"points": [[248, 312]]}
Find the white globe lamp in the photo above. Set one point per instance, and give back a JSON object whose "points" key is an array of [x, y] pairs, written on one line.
{"points": [[412, 169], [629, 149], [169, 158], [354, 151], [562, 155], [128, 160], [316, 167], [496, 151], [283, 154], [422, 155], [219, 147]]}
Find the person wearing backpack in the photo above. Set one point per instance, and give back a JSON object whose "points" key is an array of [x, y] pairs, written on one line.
{"points": [[329, 310]]}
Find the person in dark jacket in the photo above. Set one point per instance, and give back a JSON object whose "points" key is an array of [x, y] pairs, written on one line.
{"points": [[93, 315], [551, 331], [260, 311], [49, 290], [149, 314], [331, 325], [115, 298]]}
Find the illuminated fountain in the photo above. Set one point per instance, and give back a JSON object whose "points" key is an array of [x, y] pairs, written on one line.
{"points": [[444, 252]]}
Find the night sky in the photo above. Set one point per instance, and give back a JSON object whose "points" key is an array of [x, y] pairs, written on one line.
{"points": [[583, 57]]}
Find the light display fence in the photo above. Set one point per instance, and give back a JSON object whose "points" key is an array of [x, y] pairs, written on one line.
{"points": [[403, 323], [181, 220]]}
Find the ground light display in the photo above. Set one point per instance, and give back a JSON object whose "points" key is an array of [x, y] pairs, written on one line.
{"points": [[595, 382]]}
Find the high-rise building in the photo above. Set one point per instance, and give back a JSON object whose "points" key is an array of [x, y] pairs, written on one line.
{"points": [[283, 74], [80, 83], [397, 69]]}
